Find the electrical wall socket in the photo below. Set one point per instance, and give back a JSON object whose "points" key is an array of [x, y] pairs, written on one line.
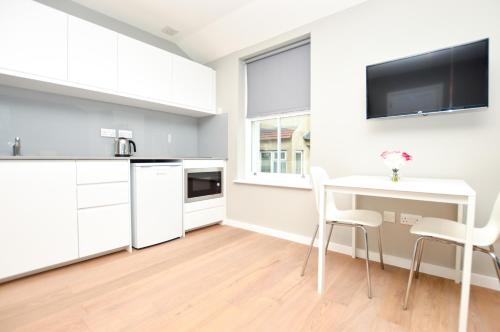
{"points": [[105, 132], [390, 216], [409, 219], [125, 133]]}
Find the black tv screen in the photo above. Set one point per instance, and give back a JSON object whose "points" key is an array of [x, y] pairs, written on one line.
{"points": [[449, 79]]}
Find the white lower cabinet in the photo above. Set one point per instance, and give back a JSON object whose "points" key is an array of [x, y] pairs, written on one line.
{"points": [[38, 215], [209, 211], [197, 219], [102, 229], [47, 219], [103, 200]]}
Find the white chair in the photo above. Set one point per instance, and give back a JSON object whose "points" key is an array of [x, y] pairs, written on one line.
{"points": [[451, 232], [350, 218]]}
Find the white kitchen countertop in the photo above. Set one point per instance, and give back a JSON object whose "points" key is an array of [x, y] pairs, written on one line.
{"points": [[34, 157]]}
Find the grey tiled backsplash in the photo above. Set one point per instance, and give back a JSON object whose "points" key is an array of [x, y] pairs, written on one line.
{"points": [[51, 124]]}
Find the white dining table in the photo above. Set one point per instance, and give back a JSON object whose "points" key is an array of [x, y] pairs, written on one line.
{"points": [[420, 189]]}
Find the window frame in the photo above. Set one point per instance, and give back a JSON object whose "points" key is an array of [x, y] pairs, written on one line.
{"points": [[301, 152], [273, 159], [250, 163]]}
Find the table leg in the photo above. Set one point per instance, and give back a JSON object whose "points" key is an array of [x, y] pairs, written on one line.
{"points": [[321, 240], [467, 265], [353, 234], [458, 249]]}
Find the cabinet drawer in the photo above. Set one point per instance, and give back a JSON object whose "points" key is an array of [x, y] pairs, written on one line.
{"points": [[202, 218], [103, 228], [205, 204], [94, 195], [91, 171]]}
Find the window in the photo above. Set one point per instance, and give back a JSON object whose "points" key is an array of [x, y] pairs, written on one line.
{"points": [[283, 141], [278, 111], [299, 161], [269, 162]]}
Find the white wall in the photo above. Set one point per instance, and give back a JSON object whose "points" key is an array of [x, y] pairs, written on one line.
{"points": [[460, 145]]}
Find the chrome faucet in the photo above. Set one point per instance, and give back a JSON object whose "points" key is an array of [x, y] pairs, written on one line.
{"points": [[16, 147]]}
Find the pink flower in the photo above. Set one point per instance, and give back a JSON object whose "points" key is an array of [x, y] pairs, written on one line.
{"points": [[406, 156], [386, 153], [395, 159]]}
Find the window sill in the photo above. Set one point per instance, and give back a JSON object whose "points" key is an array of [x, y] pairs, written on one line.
{"points": [[283, 183]]}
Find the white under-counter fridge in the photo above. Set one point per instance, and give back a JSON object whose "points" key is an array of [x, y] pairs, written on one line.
{"points": [[157, 202]]}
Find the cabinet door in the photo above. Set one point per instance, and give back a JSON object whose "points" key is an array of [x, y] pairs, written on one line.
{"points": [[92, 54], [33, 38], [193, 84], [144, 70], [103, 228], [38, 219]]}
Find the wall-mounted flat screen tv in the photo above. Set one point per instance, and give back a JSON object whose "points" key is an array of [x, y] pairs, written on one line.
{"points": [[450, 79]]}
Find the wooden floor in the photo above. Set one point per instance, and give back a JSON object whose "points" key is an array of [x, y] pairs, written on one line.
{"points": [[227, 279]]}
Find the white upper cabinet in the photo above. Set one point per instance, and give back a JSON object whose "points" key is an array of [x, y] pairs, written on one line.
{"points": [[33, 39], [193, 84], [92, 54], [144, 70], [47, 50]]}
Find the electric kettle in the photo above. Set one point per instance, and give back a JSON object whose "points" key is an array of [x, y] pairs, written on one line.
{"points": [[123, 147]]}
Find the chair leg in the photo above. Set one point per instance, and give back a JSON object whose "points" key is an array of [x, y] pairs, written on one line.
{"points": [[329, 237], [496, 261], [309, 250], [412, 267], [380, 249], [420, 252], [367, 262]]}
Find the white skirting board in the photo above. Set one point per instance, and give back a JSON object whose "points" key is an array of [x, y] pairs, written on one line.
{"points": [[436, 270]]}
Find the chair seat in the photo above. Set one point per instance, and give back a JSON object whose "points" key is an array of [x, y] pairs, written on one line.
{"points": [[360, 217], [452, 231], [440, 228]]}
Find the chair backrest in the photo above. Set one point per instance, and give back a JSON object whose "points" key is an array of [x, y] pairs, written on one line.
{"points": [[492, 228], [318, 176]]}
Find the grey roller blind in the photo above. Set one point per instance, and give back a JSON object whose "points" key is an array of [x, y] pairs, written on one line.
{"points": [[280, 81]]}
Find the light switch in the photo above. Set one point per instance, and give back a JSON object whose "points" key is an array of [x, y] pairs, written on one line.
{"points": [[390, 216], [125, 133], [106, 132], [169, 138]]}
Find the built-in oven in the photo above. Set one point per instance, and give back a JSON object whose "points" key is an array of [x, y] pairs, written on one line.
{"points": [[203, 183]]}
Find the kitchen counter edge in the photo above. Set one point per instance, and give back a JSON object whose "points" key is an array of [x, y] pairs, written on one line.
{"points": [[104, 158]]}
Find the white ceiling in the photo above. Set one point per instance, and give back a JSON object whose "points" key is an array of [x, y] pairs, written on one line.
{"points": [[210, 29]]}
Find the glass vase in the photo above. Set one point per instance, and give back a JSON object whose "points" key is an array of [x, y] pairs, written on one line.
{"points": [[395, 175]]}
